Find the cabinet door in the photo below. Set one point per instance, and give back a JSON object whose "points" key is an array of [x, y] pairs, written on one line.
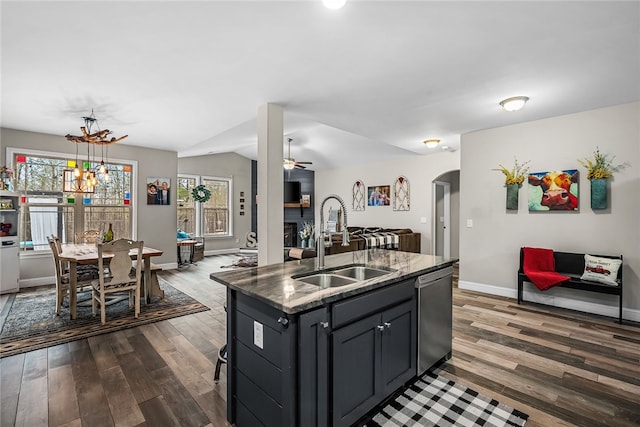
{"points": [[398, 346], [313, 361], [356, 365]]}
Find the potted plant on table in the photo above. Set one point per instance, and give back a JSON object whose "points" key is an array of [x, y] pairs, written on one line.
{"points": [[599, 170], [514, 178]]}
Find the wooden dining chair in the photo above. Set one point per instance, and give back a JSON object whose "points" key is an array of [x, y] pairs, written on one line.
{"points": [[123, 275], [85, 276]]}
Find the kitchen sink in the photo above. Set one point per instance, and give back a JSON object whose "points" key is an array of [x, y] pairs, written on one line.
{"points": [[327, 280], [360, 272], [342, 276]]}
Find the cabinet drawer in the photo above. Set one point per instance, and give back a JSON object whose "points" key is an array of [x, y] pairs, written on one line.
{"points": [[263, 407], [347, 311], [272, 345], [264, 374]]}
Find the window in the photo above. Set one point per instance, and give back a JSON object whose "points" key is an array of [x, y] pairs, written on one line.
{"points": [[46, 209], [212, 218], [216, 215], [187, 220]]}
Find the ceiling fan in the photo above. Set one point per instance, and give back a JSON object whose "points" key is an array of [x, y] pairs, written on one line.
{"points": [[290, 162]]}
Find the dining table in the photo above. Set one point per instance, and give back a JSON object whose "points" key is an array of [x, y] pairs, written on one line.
{"points": [[86, 253]]}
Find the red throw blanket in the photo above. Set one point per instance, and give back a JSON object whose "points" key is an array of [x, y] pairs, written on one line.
{"points": [[539, 266]]}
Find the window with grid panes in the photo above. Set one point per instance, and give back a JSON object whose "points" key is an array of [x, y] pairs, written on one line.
{"points": [[216, 212], [47, 209], [187, 220]]}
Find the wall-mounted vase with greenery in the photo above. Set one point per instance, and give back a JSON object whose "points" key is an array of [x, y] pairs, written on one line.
{"points": [[513, 180], [599, 193], [599, 170]]}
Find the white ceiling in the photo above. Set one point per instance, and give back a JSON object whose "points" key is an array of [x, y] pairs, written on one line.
{"points": [[368, 82]]}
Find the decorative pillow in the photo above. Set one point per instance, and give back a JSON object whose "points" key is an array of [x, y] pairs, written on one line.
{"points": [[603, 270]]}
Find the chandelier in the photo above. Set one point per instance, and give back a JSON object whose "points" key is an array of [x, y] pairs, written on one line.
{"points": [[85, 178]]}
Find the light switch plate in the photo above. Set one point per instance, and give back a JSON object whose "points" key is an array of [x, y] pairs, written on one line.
{"points": [[469, 223]]}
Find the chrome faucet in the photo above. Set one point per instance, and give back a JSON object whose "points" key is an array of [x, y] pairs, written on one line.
{"points": [[321, 235]]}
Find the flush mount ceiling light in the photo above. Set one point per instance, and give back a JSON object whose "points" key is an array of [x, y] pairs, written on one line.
{"points": [[431, 143], [333, 4], [514, 103]]}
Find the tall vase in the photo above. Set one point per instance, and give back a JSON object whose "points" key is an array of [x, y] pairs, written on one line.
{"points": [[599, 193], [512, 197]]}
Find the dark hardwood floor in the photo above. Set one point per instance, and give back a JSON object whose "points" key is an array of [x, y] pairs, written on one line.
{"points": [[561, 367]]}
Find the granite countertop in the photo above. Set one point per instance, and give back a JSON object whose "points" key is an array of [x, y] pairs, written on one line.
{"points": [[273, 284]]}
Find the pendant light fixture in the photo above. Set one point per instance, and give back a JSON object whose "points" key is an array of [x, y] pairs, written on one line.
{"points": [[92, 135]]}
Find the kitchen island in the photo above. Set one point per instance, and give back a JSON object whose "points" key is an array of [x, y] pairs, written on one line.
{"points": [[309, 348]]}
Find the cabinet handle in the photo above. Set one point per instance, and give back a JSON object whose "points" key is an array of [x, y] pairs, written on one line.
{"points": [[380, 328], [324, 324], [387, 324], [283, 321]]}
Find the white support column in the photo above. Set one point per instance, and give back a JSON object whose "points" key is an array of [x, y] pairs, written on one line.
{"points": [[270, 184]]}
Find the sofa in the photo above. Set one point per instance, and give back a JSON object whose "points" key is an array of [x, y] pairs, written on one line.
{"points": [[402, 239]]}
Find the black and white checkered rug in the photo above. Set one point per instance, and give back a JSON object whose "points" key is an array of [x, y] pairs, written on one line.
{"points": [[436, 401]]}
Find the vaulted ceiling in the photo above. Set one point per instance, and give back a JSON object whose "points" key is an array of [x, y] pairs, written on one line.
{"points": [[364, 83]]}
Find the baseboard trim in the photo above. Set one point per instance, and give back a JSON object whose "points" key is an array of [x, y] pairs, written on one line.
{"points": [[221, 251], [37, 281], [552, 300]]}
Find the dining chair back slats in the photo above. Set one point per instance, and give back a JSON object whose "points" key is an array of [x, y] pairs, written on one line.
{"points": [[84, 275], [123, 276]]}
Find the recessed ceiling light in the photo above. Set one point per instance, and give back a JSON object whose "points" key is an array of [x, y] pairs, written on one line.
{"points": [[333, 4], [514, 103], [431, 143]]}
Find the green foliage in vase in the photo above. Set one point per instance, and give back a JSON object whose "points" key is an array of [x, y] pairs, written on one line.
{"points": [[517, 174], [601, 166]]}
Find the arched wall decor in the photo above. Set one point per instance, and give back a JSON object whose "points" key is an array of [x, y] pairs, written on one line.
{"points": [[401, 194], [359, 195]]}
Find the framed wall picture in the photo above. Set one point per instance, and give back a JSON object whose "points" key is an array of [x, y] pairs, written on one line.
{"points": [[379, 195], [553, 191], [158, 191]]}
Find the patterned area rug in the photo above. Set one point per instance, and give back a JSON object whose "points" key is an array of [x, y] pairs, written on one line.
{"points": [[31, 323], [245, 261], [436, 401]]}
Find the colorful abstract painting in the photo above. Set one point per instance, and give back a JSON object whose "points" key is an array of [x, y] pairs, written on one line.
{"points": [[553, 191]]}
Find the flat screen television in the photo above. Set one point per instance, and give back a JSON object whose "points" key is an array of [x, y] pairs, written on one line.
{"points": [[292, 192]]}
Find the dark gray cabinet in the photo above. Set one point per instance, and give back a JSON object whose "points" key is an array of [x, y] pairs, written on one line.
{"points": [[325, 367], [261, 364], [313, 368], [371, 358]]}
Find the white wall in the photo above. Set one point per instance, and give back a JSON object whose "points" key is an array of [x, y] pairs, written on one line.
{"points": [[489, 252], [420, 171], [226, 165], [156, 225]]}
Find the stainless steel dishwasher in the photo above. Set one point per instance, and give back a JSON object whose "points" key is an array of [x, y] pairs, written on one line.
{"points": [[435, 317]]}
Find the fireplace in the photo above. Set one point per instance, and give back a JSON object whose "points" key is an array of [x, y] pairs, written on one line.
{"points": [[290, 234]]}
